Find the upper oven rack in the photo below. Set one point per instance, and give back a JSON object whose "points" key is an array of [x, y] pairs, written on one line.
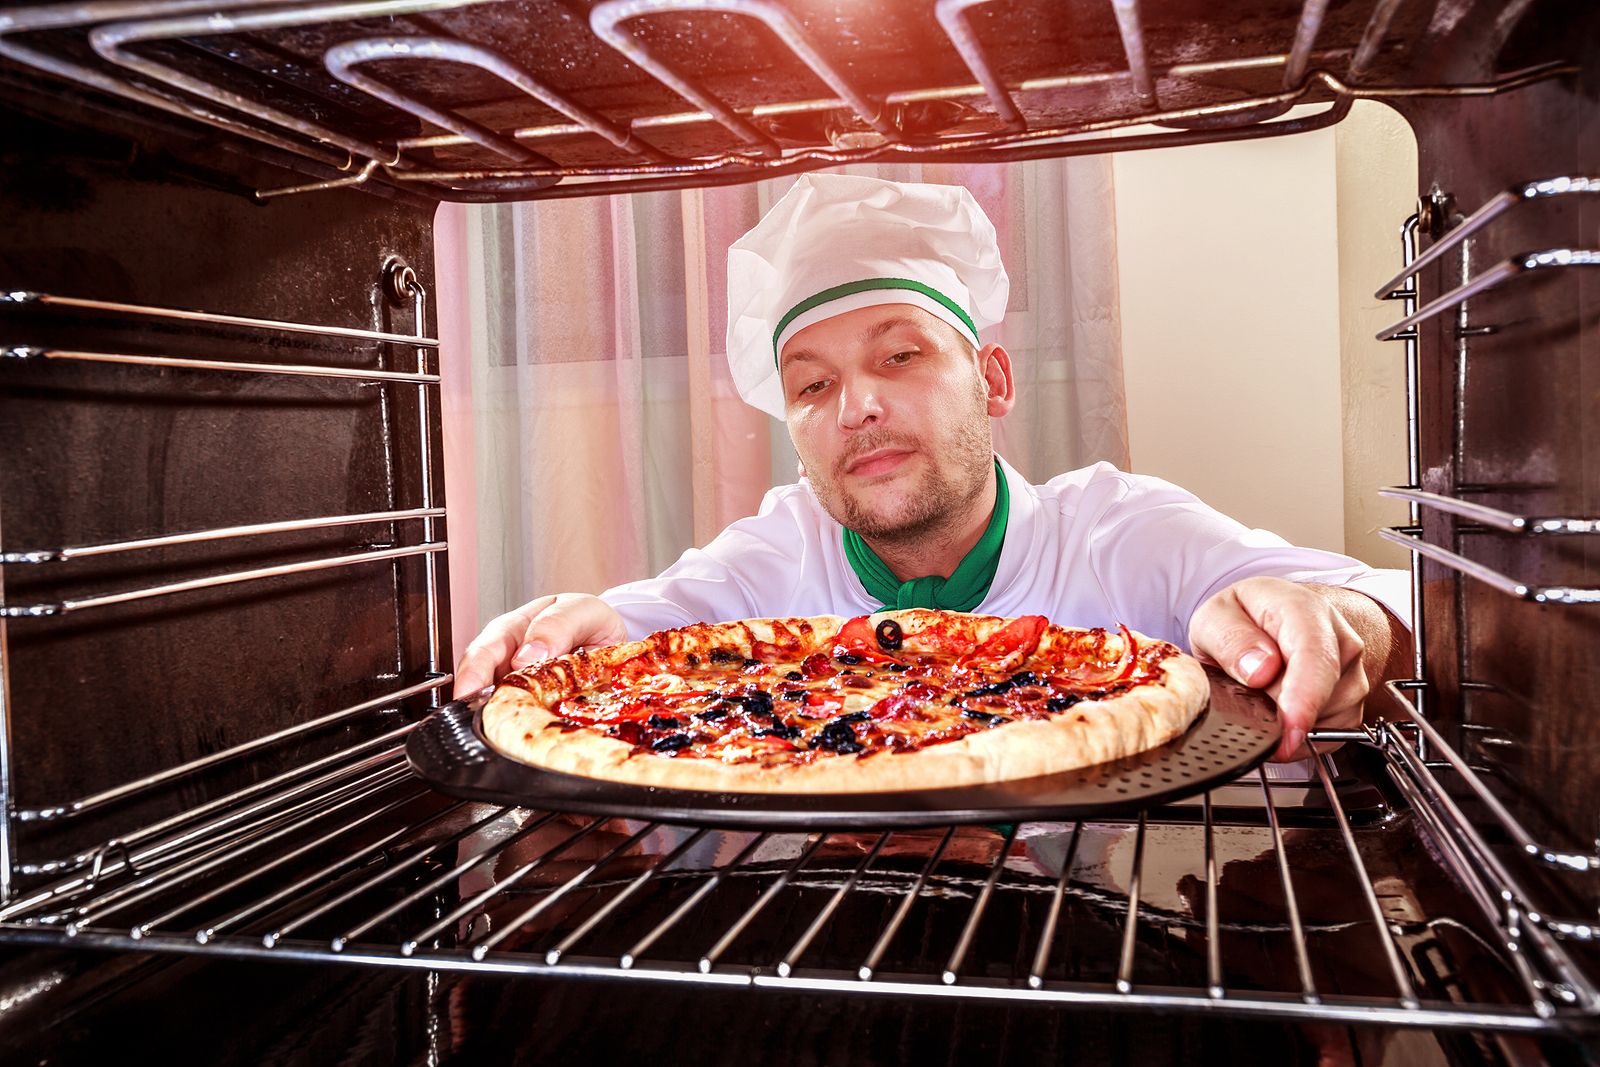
{"points": [[455, 116], [371, 868]]}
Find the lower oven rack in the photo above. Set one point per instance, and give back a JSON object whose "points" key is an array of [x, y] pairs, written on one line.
{"points": [[373, 868]]}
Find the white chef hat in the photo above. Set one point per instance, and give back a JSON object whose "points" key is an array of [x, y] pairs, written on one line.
{"points": [[838, 242]]}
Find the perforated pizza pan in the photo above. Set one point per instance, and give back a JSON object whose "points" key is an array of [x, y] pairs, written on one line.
{"points": [[1237, 731]]}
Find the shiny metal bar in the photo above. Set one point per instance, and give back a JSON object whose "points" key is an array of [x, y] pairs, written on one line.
{"points": [[1372, 38], [1352, 1009], [200, 834], [1493, 517], [288, 370], [176, 855], [952, 16], [8, 858], [899, 97], [1131, 30], [952, 967], [425, 437], [111, 40], [879, 947], [640, 947], [1436, 810], [1493, 208], [342, 59], [63, 16], [389, 872], [1047, 936], [67, 554], [300, 849], [138, 785], [360, 177], [1130, 927], [498, 886], [1413, 355], [1305, 38], [1308, 988], [605, 19], [1214, 987], [1402, 981], [1505, 270], [104, 600], [210, 858], [484, 947], [367, 851], [709, 959], [23, 296], [1539, 594], [1027, 144], [798, 949], [1560, 860], [439, 881], [600, 915]]}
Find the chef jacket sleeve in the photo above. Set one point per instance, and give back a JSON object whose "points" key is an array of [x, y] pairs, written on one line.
{"points": [[749, 570], [1156, 544]]}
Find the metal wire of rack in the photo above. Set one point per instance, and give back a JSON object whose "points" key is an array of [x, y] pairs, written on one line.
{"points": [[369, 867], [867, 125], [132, 846]]}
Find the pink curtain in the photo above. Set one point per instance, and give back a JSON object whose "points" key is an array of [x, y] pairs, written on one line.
{"points": [[592, 431]]}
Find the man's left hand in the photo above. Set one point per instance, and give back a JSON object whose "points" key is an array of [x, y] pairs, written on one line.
{"points": [[1314, 648]]}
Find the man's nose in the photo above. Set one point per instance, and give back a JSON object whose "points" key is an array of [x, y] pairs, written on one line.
{"points": [[859, 404]]}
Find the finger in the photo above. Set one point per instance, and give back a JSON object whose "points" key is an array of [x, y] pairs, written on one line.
{"points": [[490, 653], [566, 624], [1311, 672], [1223, 632]]}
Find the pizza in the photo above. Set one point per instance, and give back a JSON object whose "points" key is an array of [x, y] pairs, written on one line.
{"points": [[913, 699]]}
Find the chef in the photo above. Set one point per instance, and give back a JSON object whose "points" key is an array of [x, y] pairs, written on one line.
{"points": [[854, 314]]}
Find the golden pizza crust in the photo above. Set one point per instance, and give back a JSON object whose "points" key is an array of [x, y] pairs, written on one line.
{"points": [[518, 723]]}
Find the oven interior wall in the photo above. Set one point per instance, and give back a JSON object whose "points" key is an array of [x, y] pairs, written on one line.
{"points": [[1509, 419], [98, 452]]}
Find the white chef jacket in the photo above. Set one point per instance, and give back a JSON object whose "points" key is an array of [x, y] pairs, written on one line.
{"points": [[1092, 547]]}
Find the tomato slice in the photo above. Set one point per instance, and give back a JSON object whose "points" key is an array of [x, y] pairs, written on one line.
{"points": [[1010, 647], [857, 638]]}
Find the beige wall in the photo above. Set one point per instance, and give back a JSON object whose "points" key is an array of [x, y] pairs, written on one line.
{"points": [[1251, 377], [1376, 155]]}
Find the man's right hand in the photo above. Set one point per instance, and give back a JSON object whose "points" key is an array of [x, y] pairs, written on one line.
{"points": [[548, 626]]}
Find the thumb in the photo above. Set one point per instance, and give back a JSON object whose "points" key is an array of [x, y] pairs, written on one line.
{"points": [[1226, 636], [565, 625]]}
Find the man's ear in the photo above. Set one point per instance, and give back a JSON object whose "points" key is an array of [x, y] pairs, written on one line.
{"points": [[994, 363]]}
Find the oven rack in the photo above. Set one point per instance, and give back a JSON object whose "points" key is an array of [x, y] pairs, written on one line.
{"points": [[393, 692], [1480, 517], [368, 866], [294, 109]]}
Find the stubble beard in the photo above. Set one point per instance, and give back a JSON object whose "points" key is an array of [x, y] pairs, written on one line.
{"points": [[937, 501]]}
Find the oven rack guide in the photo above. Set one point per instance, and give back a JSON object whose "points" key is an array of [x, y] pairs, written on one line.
{"points": [[984, 119]]}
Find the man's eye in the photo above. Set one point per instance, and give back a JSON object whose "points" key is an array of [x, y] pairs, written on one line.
{"points": [[815, 387], [900, 358]]}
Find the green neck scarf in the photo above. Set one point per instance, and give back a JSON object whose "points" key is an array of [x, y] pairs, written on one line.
{"points": [[962, 591]]}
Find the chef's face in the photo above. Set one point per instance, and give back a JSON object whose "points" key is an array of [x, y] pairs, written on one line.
{"points": [[889, 410]]}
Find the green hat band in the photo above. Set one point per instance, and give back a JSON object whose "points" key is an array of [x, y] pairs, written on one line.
{"points": [[839, 292]]}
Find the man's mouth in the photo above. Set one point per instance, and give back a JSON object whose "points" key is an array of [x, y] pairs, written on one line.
{"points": [[878, 461]]}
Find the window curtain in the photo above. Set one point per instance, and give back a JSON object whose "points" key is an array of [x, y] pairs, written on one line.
{"points": [[592, 430]]}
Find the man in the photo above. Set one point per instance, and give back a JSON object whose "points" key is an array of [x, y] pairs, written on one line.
{"points": [[855, 308]]}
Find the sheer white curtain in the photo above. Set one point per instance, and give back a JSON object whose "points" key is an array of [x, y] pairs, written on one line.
{"points": [[592, 430]]}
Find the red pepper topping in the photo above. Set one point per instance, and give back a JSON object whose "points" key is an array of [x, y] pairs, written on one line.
{"points": [[1010, 647]]}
